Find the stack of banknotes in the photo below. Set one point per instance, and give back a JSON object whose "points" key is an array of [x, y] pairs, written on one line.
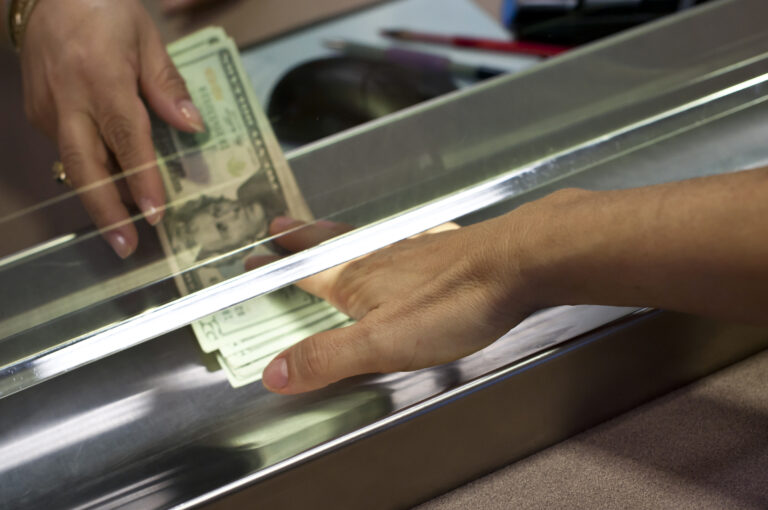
{"points": [[223, 187]]}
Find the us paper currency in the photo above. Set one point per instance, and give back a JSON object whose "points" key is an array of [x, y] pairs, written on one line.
{"points": [[223, 187]]}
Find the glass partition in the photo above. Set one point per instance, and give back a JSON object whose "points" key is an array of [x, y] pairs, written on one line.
{"points": [[70, 300]]}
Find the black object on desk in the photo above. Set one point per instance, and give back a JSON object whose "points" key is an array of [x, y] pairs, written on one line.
{"points": [[326, 96], [574, 22]]}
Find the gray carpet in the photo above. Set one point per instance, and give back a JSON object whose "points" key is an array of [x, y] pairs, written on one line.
{"points": [[703, 446]]}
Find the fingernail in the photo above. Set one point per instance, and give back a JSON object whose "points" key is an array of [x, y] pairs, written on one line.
{"points": [[120, 244], [284, 223], [151, 212], [190, 112], [275, 376]]}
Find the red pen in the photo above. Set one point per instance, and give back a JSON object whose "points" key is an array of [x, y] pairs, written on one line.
{"points": [[527, 48]]}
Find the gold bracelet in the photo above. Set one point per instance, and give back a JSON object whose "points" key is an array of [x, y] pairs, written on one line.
{"points": [[20, 13]]}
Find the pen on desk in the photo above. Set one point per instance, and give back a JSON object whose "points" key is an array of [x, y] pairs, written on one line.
{"points": [[520, 47], [413, 58]]}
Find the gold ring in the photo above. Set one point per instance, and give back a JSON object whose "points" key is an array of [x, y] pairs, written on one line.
{"points": [[59, 175]]}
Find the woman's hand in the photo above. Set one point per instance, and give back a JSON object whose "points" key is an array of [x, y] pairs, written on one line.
{"points": [[86, 66], [424, 301], [698, 246]]}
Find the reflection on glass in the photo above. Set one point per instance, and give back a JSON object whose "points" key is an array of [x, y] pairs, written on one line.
{"points": [[501, 139]]}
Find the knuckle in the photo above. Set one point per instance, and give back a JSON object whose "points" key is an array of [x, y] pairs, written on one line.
{"points": [[349, 291], [374, 351], [354, 300], [385, 352], [122, 135], [76, 59], [313, 360], [339, 297], [72, 156], [169, 79], [117, 129]]}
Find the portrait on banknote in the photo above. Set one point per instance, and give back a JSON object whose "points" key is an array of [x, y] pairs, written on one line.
{"points": [[210, 225], [223, 188]]}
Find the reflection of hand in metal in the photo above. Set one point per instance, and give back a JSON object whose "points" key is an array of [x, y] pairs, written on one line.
{"points": [[423, 301]]}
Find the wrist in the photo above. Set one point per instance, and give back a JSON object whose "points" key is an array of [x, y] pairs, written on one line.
{"points": [[546, 241]]}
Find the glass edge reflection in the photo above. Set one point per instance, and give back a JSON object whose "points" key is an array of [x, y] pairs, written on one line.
{"points": [[171, 316]]}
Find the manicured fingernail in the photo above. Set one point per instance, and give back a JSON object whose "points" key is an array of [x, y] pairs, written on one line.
{"points": [[151, 212], [275, 376], [190, 112], [120, 244], [284, 223]]}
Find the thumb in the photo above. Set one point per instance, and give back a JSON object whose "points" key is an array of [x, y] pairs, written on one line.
{"points": [[165, 90], [323, 359]]}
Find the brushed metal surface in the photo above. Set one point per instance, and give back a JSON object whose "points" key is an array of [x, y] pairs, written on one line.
{"points": [[529, 406], [154, 427]]}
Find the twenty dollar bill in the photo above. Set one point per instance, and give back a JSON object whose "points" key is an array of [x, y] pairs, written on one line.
{"points": [[223, 187]]}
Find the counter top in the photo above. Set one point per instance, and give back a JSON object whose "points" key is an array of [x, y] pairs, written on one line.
{"points": [[702, 446]]}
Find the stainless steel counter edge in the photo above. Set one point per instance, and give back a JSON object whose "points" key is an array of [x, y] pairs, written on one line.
{"points": [[513, 412], [404, 415]]}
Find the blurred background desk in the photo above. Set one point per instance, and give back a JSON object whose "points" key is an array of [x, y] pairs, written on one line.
{"points": [[268, 61]]}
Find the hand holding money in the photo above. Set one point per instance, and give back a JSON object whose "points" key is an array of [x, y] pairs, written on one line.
{"points": [[424, 301], [224, 187], [85, 65]]}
